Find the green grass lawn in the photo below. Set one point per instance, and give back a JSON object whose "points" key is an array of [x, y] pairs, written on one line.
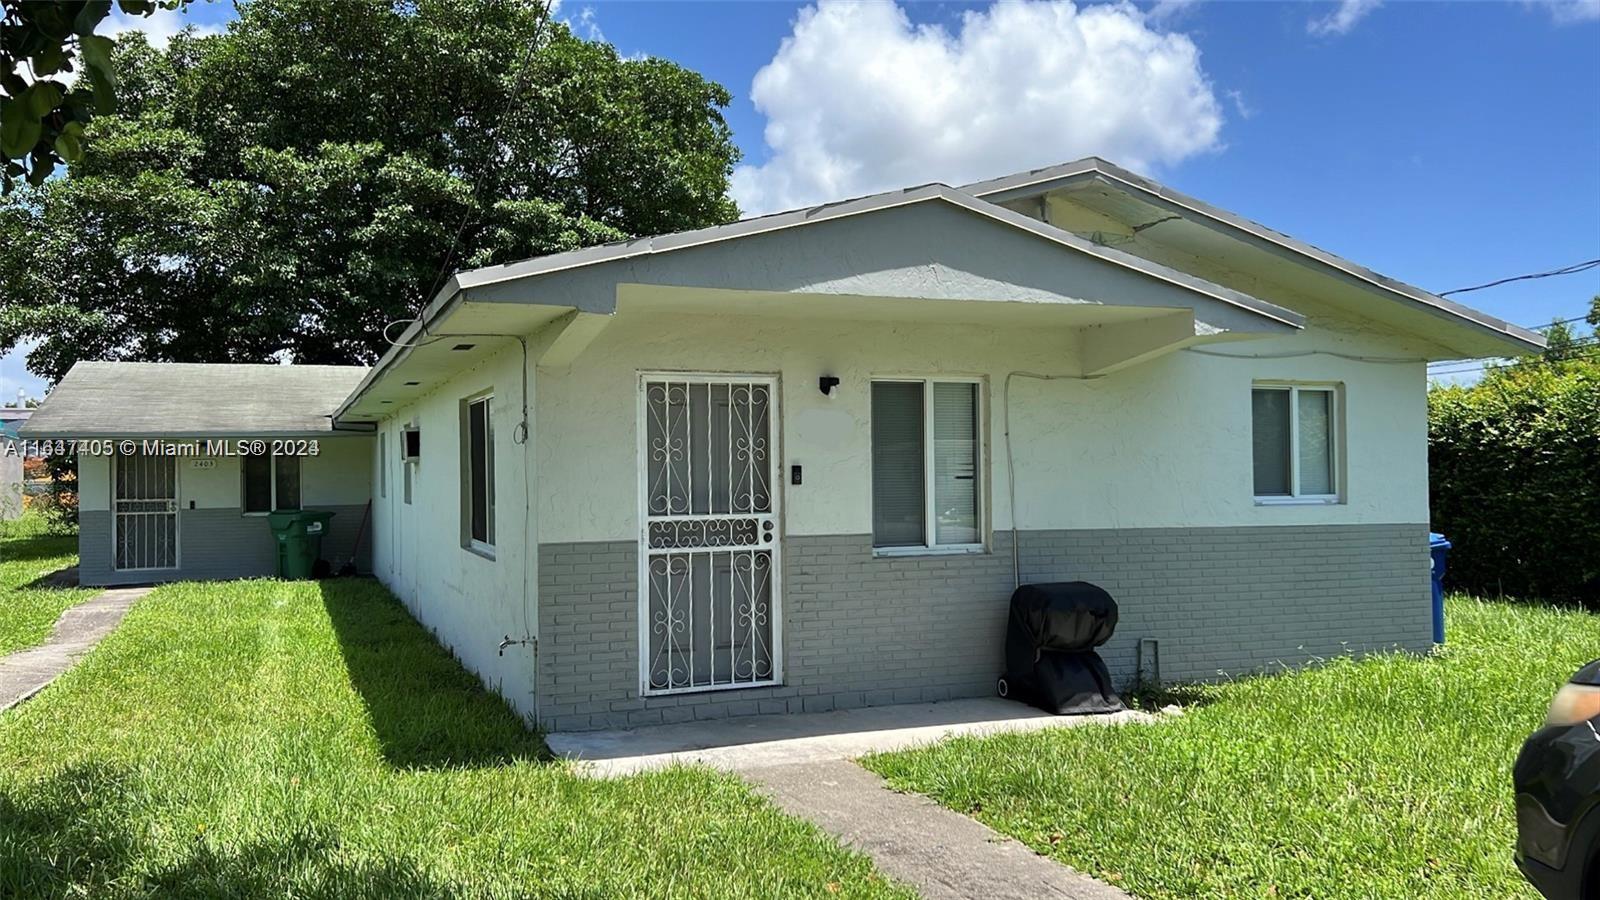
{"points": [[1388, 777], [267, 738], [29, 551]]}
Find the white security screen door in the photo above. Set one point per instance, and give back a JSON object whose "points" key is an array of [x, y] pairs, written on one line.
{"points": [[709, 544], [146, 512]]}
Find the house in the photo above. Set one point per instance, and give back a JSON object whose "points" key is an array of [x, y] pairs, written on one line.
{"points": [[180, 463], [12, 476], [800, 461]]}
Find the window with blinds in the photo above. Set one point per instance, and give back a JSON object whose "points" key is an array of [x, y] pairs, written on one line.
{"points": [[1295, 442], [926, 464]]}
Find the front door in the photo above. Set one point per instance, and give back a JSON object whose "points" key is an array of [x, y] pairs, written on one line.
{"points": [[145, 509], [709, 555]]}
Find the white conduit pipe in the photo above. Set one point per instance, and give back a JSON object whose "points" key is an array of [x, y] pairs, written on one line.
{"points": [[1011, 468]]}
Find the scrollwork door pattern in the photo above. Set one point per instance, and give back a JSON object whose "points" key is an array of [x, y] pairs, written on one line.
{"points": [[709, 536]]}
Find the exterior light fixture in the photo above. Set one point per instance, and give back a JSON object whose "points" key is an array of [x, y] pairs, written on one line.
{"points": [[829, 385]]}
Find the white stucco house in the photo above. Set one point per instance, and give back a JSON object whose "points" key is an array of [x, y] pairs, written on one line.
{"points": [[799, 462]]}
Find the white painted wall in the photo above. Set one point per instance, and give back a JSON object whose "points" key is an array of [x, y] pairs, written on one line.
{"points": [[1163, 444], [470, 602]]}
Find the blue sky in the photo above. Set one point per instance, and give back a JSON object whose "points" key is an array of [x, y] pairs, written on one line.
{"points": [[1445, 144]]}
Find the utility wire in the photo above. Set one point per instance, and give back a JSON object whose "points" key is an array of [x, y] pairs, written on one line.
{"points": [[1564, 270], [477, 183]]}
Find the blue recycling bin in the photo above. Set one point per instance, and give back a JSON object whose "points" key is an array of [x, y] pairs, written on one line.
{"points": [[1439, 549]]}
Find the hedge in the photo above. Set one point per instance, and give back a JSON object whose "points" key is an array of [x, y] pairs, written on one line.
{"points": [[1514, 481]]}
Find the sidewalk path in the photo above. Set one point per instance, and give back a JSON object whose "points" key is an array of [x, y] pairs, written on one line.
{"points": [[943, 854], [27, 672]]}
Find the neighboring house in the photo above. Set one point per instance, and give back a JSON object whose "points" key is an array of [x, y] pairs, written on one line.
{"points": [[799, 462], [186, 503], [12, 474]]}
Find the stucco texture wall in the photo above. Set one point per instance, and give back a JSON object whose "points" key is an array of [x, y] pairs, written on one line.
{"points": [[1166, 444], [469, 601]]}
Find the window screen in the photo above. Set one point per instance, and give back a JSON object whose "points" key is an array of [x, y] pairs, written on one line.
{"points": [[899, 506], [480, 472], [258, 483], [1270, 424]]}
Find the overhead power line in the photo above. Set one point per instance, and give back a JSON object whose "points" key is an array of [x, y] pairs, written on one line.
{"points": [[1564, 270]]}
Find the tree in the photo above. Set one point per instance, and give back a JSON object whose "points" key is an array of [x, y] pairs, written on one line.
{"points": [[44, 106], [289, 187]]}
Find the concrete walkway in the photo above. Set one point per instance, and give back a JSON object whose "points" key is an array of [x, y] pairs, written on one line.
{"points": [[27, 672], [943, 854], [803, 763], [752, 742]]}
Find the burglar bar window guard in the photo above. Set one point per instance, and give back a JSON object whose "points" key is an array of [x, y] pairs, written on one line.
{"points": [[927, 464], [710, 548], [1295, 439]]}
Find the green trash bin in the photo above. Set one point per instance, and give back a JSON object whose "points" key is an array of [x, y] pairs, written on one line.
{"points": [[299, 536]]}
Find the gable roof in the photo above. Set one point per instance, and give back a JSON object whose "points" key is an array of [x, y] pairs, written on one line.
{"points": [[1041, 181], [658, 244], [136, 400]]}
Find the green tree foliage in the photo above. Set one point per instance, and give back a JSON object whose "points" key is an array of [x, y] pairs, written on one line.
{"points": [[44, 46], [292, 185], [1514, 466]]}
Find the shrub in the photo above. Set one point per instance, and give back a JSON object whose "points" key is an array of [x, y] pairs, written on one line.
{"points": [[1514, 466]]}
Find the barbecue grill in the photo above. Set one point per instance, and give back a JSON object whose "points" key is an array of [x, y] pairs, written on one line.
{"points": [[1050, 641]]}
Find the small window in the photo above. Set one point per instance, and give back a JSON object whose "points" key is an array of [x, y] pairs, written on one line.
{"points": [[477, 475], [271, 483], [1295, 438], [383, 464], [926, 465]]}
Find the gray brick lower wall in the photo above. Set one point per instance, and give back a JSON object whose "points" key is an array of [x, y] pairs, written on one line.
{"points": [[862, 631], [215, 544]]}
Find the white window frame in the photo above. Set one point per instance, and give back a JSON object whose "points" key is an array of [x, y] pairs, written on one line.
{"points": [[482, 548], [980, 488], [273, 492], [1335, 444], [383, 464]]}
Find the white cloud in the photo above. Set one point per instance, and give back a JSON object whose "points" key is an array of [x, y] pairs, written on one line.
{"points": [[587, 25], [1570, 12], [1343, 18], [1166, 10], [159, 27], [858, 99], [1240, 105]]}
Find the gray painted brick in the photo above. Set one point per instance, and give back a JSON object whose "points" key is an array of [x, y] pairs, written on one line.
{"points": [[860, 630], [215, 544]]}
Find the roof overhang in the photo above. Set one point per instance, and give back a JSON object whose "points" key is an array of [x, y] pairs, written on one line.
{"points": [[1206, 231], [585, 284]]}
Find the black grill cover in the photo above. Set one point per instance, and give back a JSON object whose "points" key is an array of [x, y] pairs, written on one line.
{"points": [[1065, 615], [1050, 641]]}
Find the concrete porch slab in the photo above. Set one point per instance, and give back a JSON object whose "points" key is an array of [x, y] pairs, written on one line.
{"points": [[755, 742]]}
